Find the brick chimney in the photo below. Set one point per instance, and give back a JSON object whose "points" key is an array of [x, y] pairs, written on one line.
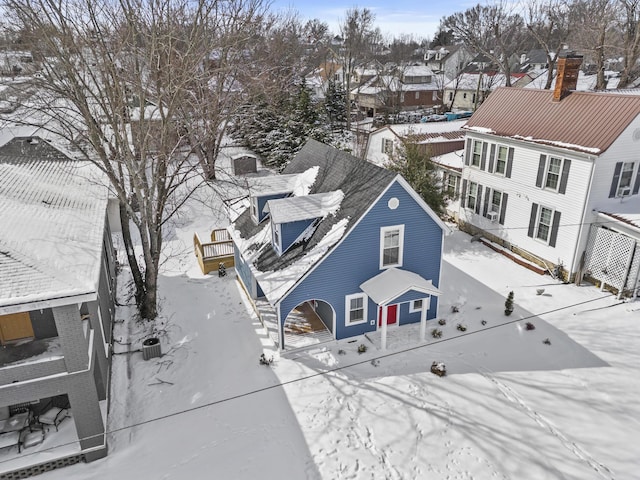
{"points": [[567, 76]]}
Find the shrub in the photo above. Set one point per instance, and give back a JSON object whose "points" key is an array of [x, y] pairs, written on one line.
{"points": [[461, 327], [454, 309], [362, 348], [436, 333], [483, 322], [530, 326], [546, 341], [508, 304], [341, 352], [438, 368], [442, 321]]}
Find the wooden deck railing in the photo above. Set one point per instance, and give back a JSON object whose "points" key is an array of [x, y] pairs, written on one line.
{"points": [[212, 254]]}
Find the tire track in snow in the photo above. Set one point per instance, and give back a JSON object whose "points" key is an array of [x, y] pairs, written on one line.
{"points": [[573, 447]]}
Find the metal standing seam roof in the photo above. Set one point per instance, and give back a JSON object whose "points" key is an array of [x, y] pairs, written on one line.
{"points": [[52, 213], [583, 121]]}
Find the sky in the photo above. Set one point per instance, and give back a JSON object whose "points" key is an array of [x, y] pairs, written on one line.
{"points": [[393, 17]]}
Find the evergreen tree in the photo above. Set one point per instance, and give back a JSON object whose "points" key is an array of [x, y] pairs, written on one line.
{"points": [[335, 105], [415, 165]]}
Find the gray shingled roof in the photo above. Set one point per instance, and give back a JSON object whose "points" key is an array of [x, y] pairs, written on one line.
{"points": [[361, 181]]}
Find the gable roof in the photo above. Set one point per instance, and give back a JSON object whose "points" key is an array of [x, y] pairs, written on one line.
{"points": [[306, 207], [361, 183], [583, 121], [56, 213]]}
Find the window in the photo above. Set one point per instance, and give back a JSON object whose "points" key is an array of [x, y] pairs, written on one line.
{"points": [[473, 98], [496, 201], [387, 146], [625, 178], [450, 96], [415, 306], [417, 95], [464, 95], [391, 244], [452, 184], [434, 96], [472, 196], [476, 154], [543, 227], [501, 159], [355, 309], [553, 173]]}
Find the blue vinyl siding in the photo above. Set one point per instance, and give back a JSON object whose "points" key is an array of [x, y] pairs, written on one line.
{"points": [[262, 201], [291, 231], [357, 259], [242, 268]]}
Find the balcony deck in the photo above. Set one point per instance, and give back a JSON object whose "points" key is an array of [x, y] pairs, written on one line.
{"points": [[27, 351]]}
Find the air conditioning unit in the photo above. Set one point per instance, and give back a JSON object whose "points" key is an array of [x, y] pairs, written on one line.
{"points": [[625, 192], [493, 216]]}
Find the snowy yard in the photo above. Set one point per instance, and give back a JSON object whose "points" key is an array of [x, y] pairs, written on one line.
{"points": [[510, 407]]}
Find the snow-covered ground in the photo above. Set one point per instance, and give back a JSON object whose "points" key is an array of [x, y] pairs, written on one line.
{"points": [[510, 407]]}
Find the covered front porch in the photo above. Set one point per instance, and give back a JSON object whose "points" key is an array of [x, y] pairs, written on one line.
{"points": [[303, 327], [394, 287]]}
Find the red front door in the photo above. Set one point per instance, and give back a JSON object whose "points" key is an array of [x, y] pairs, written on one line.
{"points": [[392, 315]]}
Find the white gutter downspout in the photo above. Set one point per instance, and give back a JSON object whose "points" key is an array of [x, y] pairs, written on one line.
{"points": [[576, 250]]}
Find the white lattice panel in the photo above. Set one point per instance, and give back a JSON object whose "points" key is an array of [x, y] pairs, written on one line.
{"points": [[608, 256]]}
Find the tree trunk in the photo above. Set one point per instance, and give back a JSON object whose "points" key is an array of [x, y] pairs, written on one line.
{"points": [[131, 255]]}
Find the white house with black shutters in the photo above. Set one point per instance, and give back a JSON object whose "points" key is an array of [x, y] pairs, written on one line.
{"points": [[554, 176]]}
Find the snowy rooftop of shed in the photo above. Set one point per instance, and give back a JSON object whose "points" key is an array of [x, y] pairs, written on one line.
{"points": [[293, 209], [53, 215]]}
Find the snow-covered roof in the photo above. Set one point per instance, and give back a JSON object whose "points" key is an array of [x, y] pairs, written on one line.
{"points": [[293, 209], [53, 212], [450, 160], [417, 71], [631, 219], [393, 282], [585, 82], [404, 129], [469, 81], [298, 183]]}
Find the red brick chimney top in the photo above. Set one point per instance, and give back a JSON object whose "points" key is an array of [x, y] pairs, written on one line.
{"points": [[567, 76]]}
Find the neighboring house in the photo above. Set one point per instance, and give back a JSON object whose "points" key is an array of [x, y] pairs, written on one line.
{"points": [[468, 90], [554, 176], [437, 138], [449, 59], [318, 79], [409, 88], [585, 82], [449, 167], [343, 239], [534, 60], [57, 290]]}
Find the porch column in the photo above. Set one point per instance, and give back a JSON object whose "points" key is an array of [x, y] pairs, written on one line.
{"points": [[383, 339], [423, 319]]}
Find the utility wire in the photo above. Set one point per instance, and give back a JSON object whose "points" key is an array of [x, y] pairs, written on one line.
{"points": [[306, 377]]}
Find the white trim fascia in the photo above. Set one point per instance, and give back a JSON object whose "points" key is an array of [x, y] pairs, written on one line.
{"points": [[49, 303]]}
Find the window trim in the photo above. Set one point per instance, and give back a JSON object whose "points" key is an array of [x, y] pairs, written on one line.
{"points": [[412, 306], [475, 197], [631, 177], [347, 309], [545, 181], [253, 206], [383, 230], [387, 146], [473, 154], [537, 224], [490, 208], [506, 160]]}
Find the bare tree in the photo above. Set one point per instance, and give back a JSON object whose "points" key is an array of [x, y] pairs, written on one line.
{"points": [[359, 36], [629, 21], [113, 80], [493, 30], [595, 34], [548, 21]]}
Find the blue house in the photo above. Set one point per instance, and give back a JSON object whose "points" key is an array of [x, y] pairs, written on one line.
{"points": [[342, 242]]}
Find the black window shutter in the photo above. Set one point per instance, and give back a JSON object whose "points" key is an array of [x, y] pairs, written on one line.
{"points": [[615, 180], [541, 166], [532, 219], [479, 199], [463, 195], [554, 229], [565, 176], [492, 156], [503, 208], [483, 158], [467, 153], [636, 185], [509, 163], [486, 202]]}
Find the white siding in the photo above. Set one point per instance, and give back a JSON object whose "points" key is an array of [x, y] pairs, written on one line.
{"points": [[522, 191], [374, 146]]}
